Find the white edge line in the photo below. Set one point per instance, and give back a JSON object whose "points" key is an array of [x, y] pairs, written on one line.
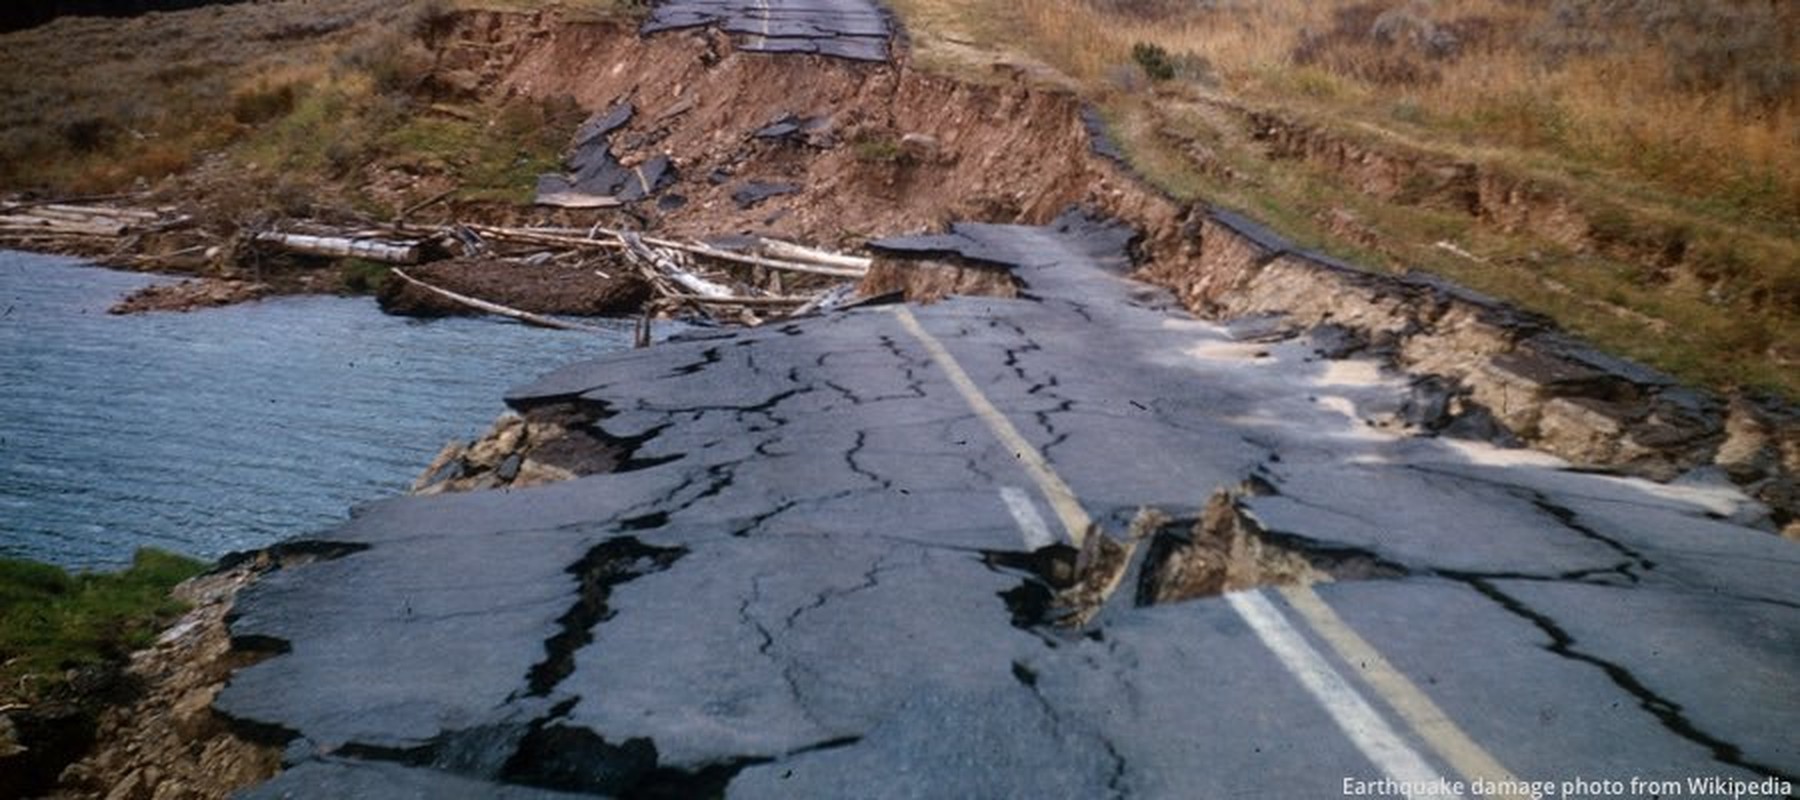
{"points": [[1031, 524], [1354, 716]]}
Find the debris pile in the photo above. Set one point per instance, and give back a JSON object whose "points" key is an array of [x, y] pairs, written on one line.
{"points": [[95, 228]]}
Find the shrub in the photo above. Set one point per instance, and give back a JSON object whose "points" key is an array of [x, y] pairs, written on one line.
{"points": [[1154, 60], [878, 150], [261, 103], [362, 276], [89, 134]]}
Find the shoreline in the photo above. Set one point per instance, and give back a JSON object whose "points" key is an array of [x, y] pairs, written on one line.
{"points": [[1474, 364]]}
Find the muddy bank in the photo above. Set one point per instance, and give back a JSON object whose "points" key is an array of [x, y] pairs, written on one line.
{"points": [[189, 295], [547, 288]]}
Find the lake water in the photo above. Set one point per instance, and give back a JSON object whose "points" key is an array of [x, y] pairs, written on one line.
{"points": [[227, 429]]}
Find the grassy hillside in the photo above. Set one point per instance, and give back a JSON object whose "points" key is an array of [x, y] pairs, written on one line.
{"points": [[308, 102], [1656, 138]]}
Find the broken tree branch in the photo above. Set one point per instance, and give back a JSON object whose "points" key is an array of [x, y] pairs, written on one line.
{"points": [[666, 266]]}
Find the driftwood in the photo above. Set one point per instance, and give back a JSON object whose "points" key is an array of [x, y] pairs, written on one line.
{"points": [[107, 233], [666, 268], [386, 252], [577, 200], [795, 252], [495, 308], [27, 224]]}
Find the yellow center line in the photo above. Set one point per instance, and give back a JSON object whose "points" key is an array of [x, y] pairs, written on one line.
{"points": [[1417, 710], [1057, 493], [1433, 726]]}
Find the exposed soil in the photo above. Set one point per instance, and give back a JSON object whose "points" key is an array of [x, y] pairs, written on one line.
{"points": [[889, 150], [551, 288], [191, 294], [166, 743]]}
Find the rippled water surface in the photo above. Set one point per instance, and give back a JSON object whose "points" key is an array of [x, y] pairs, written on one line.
{"points": [[231, 428]]}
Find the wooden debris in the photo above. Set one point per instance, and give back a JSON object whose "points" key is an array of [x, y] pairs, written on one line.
{"points": [[803, 260], [744, 301], [383, 251], [794, 252], [577, 200]]}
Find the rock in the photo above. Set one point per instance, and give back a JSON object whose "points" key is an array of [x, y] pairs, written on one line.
{"points": [[133, 787], [446, 466], [504, 440], [509, 469], [1750, 450], [1584, 430], [537, 473]]}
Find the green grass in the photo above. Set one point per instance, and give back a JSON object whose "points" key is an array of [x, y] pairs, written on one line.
{"points": [[52, 621], [494, 161], [363, 277]]}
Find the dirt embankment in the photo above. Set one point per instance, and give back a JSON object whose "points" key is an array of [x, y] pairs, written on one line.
{"points": [[879, 149]]}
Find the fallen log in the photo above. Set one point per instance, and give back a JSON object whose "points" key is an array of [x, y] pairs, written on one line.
{"points": [[344, 247], [102, 212], [795, 252], [29, 222], [495, 308], [577, 200]]}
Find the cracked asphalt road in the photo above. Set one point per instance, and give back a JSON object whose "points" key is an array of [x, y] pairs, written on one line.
{"points": [[806, 582]]}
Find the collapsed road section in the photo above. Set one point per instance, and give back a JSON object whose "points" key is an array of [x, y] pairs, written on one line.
{"points": [[854, 29], [939, 551]]}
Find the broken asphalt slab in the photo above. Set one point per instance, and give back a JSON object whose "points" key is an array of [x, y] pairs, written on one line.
{"points": [[852, 29], [813, 577]]}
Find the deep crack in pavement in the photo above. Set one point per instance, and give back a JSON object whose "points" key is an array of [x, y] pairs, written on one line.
{"points": [[819, 578]]}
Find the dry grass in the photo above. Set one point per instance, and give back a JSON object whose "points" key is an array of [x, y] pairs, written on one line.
{"points": [[1701, 99], [1662, 121]]}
